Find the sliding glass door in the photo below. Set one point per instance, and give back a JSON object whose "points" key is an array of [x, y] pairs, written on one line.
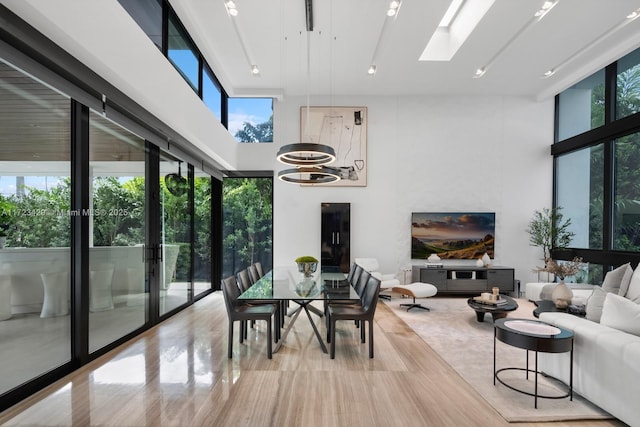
{"points": [[35, 228], [176, 224], [247, 223], [202, 232], [118, 293], [102, 234]]}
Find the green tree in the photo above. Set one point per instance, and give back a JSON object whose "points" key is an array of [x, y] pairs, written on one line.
{"points": [[43, 218], [247, 222], [114, 220], [262, 132], [549, 231]]}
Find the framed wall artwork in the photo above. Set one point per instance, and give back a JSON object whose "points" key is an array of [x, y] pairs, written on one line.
{"points": [[344, 129]]}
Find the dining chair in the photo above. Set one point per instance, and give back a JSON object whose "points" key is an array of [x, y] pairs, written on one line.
{"points": [[363, 279], [253, 273], [259, 268], [364, 313], [240, 311], [356, 275], [352, 271], [245, 283]]}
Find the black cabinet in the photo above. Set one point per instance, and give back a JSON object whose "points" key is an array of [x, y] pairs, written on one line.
{"points": [[465, 279], [335, 234]]}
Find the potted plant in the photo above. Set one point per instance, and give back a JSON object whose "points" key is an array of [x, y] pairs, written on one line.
{"points": [[307, 265], [550, 231]]}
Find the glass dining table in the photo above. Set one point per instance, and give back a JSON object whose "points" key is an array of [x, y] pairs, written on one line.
{"points": [[287, 284]]}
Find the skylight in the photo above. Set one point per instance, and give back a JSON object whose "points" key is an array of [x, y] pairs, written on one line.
{"points": [[458, 22]]}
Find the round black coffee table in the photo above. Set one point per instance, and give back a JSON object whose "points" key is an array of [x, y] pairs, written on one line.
{"points": [[497, 311], [536, 336], [544, 306]]}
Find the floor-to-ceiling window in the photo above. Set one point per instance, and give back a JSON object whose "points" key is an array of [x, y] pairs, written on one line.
{"points": [[35, 325], [118, 295], [74, 282], [247, 223], [202, 232], [175, 248], [597, 159]]}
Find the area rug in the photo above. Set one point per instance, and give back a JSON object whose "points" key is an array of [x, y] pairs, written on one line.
{"points": [[451, 329]]}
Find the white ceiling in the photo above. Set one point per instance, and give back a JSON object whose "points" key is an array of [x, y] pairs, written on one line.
{"points": [[580, 35]]}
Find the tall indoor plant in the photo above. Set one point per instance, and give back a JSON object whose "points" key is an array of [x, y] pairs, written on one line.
{"points": [[549, 230]]}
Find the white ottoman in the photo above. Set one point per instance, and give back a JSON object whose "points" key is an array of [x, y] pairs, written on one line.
{"points": [[416, 290]]}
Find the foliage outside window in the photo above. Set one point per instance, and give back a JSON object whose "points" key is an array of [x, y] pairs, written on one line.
{"points": [[581, 107], [628, 85], [247, 222], [580, 190], [626, 215], [251, 119]]}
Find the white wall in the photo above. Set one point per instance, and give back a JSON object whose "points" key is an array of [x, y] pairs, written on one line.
{"points": [[437, 153]]}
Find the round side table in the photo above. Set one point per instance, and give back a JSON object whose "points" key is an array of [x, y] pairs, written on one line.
{"points": [[536, 336]]}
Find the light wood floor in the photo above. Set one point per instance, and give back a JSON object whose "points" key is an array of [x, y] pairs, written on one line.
{"points": [[178, 374]]}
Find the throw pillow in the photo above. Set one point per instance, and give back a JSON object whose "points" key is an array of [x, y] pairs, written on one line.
{"points": [[595, 304], [633, 293], [626, 281], [613, 279], [621, 313]]}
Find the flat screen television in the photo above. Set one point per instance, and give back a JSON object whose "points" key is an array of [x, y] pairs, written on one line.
{"points": [[452, 235]]}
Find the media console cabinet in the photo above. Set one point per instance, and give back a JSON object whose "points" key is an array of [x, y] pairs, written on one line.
{"points": [[451, 279]]}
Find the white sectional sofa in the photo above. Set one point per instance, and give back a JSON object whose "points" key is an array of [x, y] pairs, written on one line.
{"points": [[606, 365], [606, 343]]}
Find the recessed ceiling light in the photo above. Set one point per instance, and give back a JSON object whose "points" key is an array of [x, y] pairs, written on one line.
{"points": [[232, 9], [372, 70], [255, 70], [393, 8], [549, 73], [479, 72], [545, 8]]}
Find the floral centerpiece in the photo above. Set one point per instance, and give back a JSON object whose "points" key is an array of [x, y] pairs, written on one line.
{"points": [[307, 265]]}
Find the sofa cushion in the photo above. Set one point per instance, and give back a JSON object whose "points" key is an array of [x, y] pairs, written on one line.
{"points": [[613, 279], [621, 313], [626, 281], [633, 293], [595, 303]]}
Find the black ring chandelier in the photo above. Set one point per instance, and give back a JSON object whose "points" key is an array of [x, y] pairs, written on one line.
{"points": [[309, 175], [309, 159], [306, 154]]}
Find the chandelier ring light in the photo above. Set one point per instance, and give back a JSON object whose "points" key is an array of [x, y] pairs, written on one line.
{"points": [[309, 159], [317, 175]]}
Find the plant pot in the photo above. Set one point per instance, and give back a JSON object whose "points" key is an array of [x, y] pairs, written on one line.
{"points": [[561, 295], [307, 268]]}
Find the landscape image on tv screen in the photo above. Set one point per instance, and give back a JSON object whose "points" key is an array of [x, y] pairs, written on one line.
{"points": [[452, 235]]}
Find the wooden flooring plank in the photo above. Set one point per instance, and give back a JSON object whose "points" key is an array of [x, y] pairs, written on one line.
{"points": [[178, 374]]}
